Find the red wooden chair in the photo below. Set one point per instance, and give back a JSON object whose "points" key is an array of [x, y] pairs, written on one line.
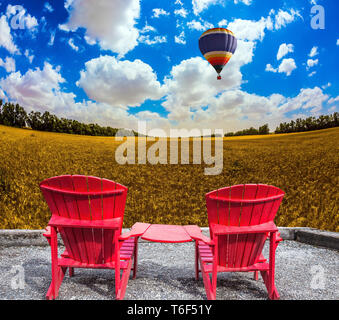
{"points": [[240, 220], [88, 213]]}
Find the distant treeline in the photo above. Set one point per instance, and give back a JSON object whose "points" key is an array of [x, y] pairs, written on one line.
{"points": [[309, 124], [251, 131], [16, 116]]}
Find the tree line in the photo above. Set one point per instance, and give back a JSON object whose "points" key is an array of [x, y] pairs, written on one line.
{"points": [[15, 116], [251, 131], [309, 124]]}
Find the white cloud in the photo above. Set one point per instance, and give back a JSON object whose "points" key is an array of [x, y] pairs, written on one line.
{"points": [[52, 38], [314, 52], [8, 64], [29, 56], [181, 12], [108, 80], [312, 73], [180, 39], [6, 39], [201, 5], [270, 68], [325, 86], [197, 25], [284, 49], [338, 42], [37, 88], [111, 23], [282, 18], [72, 45], [307, 99], [311, 63], [147, 28], [332, 100], [222, 23], [192, 84], [247, 2], [157, 12], [249, 29], [48, 7], [147, 39], [287, 66]]}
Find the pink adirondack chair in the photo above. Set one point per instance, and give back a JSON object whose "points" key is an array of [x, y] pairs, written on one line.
{"points": [[240, 220], [88, 213]]}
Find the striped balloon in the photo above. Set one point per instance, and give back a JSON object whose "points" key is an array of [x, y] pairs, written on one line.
{"points": [[217, 46]]}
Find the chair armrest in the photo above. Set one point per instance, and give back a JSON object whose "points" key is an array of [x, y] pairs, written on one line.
{"points": [[196, 234], [218, 229], [137, 230], [47, 233], [278, 237], [57, 221]]}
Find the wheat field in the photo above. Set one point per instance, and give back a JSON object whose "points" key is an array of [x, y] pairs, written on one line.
{"points": [[304, 165]]}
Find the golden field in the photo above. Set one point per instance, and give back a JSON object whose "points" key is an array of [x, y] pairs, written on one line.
{"points": [[304, 165]]}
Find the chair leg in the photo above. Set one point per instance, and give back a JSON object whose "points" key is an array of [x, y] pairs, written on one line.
{"points": [[135, 265], [210, 291], [123, 282], [268, 276], [196, 261], [71, 271], [58, 273], [256, 275]]}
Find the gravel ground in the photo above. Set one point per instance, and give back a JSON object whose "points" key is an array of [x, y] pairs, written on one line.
{"points": [[166, 272]]}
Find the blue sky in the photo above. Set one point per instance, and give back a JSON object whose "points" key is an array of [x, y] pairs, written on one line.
{"points": [[119, 62]]}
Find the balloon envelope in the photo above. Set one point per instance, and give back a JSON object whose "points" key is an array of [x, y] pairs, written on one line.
{"points": [[217, 46]]}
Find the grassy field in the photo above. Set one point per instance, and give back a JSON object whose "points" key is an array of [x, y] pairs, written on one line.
{"points": [[304, 165]]}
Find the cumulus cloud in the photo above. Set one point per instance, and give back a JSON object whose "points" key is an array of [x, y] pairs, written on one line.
{"points": [[282, 18], [270, 68], [284, 49], [48, 7], [181, 38], [201, 5], [111, 23], [197, 25], [181, 12], [287, 66], [249, 29], [108, 80], [306, 99], [29, 56], [157, 12], [36, 88], [8, 64], [192, 84], [6, 39], [72, 45], [314, 52], [150, 41], [311, 63]]}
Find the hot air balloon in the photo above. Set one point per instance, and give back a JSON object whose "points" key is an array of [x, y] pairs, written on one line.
{"points": [[217, 46]]}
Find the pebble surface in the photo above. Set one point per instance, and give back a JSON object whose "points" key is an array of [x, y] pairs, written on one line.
{"points": [[166, 272]]}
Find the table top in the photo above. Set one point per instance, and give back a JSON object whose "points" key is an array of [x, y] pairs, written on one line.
{"points": [[166, 233]]}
